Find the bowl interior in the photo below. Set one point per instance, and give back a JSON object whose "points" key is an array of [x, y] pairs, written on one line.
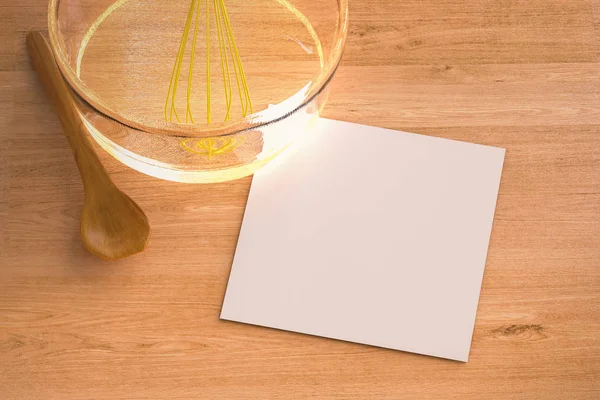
{"points": [[197, 67]]}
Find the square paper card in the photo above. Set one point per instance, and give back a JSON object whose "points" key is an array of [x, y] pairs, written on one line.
{"points": [[369, 235]]}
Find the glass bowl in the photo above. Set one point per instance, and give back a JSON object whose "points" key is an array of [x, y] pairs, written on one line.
{"points": [[198, 90]]}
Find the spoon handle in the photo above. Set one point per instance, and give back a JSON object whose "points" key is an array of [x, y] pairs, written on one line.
{"points": [[92, 172]]}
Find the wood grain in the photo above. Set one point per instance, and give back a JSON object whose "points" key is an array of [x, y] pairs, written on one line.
{"points": [[515, 74]]}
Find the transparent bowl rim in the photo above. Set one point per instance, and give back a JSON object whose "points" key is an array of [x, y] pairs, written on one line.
{"points": [[250, 122]]}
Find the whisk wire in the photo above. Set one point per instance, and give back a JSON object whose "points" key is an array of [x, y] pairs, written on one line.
{"points": [[246, 103], [228, 52], [172, 94], [234, 59], [208, 110], [188, 111], [224, 60]]}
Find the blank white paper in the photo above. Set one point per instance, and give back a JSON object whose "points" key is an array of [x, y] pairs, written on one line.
{"points": [[368, 235]]}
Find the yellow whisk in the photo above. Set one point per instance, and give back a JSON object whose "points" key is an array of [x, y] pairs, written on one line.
{"points": [[230, 59]]}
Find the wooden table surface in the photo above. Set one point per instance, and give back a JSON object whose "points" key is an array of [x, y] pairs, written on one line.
{"points": [[523, 75]]}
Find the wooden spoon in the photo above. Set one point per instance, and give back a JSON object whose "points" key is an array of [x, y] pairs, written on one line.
{"points": [[112, 225]]}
